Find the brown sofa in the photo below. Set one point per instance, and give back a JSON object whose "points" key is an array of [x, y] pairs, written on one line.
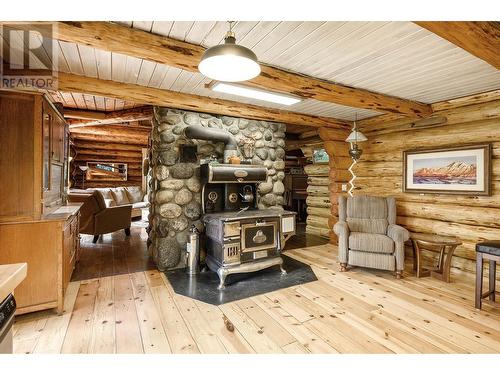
{"points": [[96, 218], [120, 196]]}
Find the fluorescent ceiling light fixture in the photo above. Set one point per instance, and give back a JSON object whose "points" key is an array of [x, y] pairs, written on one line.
{"points": [[247, 92]]}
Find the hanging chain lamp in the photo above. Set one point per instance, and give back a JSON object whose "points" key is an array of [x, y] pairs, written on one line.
{"points": [[356, 136], [355, 152], [229, 62]]}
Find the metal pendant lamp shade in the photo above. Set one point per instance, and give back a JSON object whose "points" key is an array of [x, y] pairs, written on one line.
{"points": [[229, 62]]}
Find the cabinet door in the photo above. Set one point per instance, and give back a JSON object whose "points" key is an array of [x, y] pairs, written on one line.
{"points": [[17, 153], [58, 130], [52, 198], [70, 248], [39, 245], [46, 149]]}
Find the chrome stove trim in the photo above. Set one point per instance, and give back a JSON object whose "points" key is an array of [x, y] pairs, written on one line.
{"points": [[256, 265]]}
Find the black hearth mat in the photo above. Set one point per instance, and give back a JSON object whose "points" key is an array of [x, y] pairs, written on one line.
{"points": [[203, 286]]}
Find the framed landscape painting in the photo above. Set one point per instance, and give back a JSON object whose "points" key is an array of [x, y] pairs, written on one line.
{"points": [[456, 170]]}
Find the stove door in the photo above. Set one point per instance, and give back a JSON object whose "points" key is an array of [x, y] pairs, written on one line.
{"points": [[258, 236]]}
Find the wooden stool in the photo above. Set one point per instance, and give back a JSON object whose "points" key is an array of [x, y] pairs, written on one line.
{"points": [[486, 250], [446, 245]]}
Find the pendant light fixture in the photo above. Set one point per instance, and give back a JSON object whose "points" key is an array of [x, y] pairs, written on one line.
{"points": [[354, 152], [229, 62], [353, 138]]}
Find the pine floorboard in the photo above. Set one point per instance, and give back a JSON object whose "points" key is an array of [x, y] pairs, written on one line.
{"points": [[118, 303]]}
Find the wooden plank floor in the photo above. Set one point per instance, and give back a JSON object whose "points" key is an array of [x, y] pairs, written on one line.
{"points": [[360, 311], [113, 254]]}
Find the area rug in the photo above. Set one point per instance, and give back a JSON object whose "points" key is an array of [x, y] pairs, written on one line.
{"points": [[203, 287]]}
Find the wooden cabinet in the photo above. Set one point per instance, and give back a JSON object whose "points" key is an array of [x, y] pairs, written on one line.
{"points": [[71, 248], [20, 199], [33, 156], [35, 227], [50, 247]]}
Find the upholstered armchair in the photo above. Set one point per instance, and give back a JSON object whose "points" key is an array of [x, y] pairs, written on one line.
{"points": [[368, 234]]}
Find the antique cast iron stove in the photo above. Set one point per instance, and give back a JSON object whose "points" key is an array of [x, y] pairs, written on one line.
{"points": [[239, 237]]}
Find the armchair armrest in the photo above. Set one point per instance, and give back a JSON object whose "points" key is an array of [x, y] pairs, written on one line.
{"points": [[397, 233], [112, 219], [341, 229]]}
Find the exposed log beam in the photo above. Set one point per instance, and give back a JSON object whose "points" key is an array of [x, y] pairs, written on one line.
{"points": [[153, 96], [99, 137], [93, 157], [81, 114], [137, 43], [446, 108], [481, 39], [92, 118], [483, 97], [115, 145], [295, 144], [105, 153]]}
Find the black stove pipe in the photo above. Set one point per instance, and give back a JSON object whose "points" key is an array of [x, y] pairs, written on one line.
{"points": [[211, 134], [216, 135]]}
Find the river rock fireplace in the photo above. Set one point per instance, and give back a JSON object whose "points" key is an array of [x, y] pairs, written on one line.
{"points": [[175, 185]]}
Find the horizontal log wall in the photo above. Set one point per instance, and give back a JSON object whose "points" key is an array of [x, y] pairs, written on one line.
{"points": [[471, 218], [318, 199], [339, 176], [108, 143]]}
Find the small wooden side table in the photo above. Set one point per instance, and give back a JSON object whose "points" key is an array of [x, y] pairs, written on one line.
{"points": [[446, 246]]}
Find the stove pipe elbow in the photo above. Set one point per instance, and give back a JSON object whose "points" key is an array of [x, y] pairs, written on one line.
{"points": [[211, 134], [216, 135]]}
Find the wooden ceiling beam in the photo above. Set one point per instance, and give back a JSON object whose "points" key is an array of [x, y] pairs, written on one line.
{"points": [[83, 114], [479, 38], [114, 145], [105, 118], [137, 43], [372, 122], [153, 96]]}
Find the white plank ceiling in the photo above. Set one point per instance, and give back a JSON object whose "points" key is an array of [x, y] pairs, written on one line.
{"points": [[394, 58]]}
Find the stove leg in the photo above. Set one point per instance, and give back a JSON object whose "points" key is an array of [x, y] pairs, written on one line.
{"points": [[283, 271], [222, 279]]}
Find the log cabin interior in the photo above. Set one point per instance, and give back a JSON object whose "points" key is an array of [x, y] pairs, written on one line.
{"points": [[250, 187]]}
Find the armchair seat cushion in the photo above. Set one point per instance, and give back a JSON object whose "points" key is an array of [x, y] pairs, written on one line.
{"points": [[371, 242]]}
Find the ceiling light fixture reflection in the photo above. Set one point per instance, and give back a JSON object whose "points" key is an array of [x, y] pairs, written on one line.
{"points": [[248, 92]]}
